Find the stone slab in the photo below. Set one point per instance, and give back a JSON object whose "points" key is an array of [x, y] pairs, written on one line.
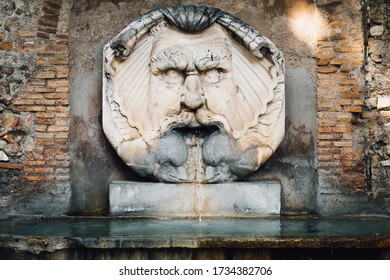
{"points": [[235, 199]]}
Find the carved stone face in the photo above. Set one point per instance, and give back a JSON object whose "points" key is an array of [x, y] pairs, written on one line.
{"points": [[192, 70], [192, 106]]}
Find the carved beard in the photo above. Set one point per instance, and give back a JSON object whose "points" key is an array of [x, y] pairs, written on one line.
{"points": [[198, 147]]}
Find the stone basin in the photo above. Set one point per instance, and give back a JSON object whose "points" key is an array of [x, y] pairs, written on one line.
{"points": [[124, 238]]}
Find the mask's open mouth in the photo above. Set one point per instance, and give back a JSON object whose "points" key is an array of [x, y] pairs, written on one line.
{"points": [[198, 131]]}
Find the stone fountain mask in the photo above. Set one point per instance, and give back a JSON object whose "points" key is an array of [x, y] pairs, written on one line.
{"points": [[192, 94]]}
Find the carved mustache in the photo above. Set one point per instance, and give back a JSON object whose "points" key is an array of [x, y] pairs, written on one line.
{"points": [[200, 120]]}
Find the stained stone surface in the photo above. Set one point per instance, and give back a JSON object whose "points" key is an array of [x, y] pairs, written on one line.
{"points": [[244, 199], [193, 94]]}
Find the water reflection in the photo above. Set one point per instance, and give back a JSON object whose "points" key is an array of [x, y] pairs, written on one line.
{"points": [[141, 228]]}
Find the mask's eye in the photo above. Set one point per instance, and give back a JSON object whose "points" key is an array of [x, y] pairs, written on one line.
{"points": [[173, 76], [212, 76]]}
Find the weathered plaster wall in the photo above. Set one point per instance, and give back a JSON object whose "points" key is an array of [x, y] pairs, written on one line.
{"points": [[377, 78]]}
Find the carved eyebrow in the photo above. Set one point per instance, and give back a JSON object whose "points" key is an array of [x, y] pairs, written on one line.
{"points": [[213, 59], [168, 58]]}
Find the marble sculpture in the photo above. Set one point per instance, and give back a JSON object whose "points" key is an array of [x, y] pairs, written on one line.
{"points": [[193, 94]]}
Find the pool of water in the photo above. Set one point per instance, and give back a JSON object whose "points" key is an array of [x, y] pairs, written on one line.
{"points": [[209, 228], [125, 238]]}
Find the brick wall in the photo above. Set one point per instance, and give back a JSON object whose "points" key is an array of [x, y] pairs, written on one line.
{"points": [[340, 100], [34, 103]]}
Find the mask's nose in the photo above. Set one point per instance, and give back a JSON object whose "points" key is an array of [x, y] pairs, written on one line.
{"points": [[192, 95]]}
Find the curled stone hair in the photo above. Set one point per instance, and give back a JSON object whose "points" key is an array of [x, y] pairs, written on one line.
{"points": [[191, 18]]}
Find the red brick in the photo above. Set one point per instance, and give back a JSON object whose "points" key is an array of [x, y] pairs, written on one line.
{"points": [[346, 68], [358, 102], [327, 82], [328, 163], [342, 129], [357, 62], [45, 115], [9, 165], [27, 89], [30, 48], [57, 109], [44, 135], [57, 61], [58, 128], [342, 76], [31, 109], [342, 89], [327, 95], [325, 56], [62, 89], [350, 95], [347, 136], [323, 62], [34, 149], [348, 82], [324, 102], [59, 163], [56, 95], [327, 70], [328, 137], [45, 142], [357, 89], [342, 116], [38, 178], [41, 61], [326, 123], [324, 130], [62, 135], [23, 102], [56, 48], [334, 108], [348, 50], [329, 151], [34, 82], [27, 33], [62, 115], [45, 102], [50, 10], [35, 162], [44, 89], [348, 150], [343, 143], [41, 128], [55, 83], [325, 157], [62, 102], [354, 109], [44, 170], [5, 46], [44, 75], [62, 75], [343, 101], [339, 62]]}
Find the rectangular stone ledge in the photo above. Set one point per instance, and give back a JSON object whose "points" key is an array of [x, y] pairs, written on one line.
{"points": [[160, 200]]}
